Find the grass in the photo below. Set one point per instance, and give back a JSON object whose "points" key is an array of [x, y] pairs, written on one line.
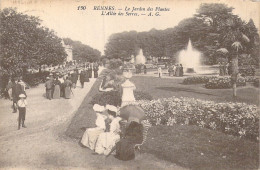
{"points": [[200, 148], [188, 146], [163, 88]]}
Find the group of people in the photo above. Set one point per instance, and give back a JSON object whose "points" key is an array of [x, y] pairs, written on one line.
{"points": [[16, 90], [58, 85], [224, 69], [176, 70], [113, 133]]}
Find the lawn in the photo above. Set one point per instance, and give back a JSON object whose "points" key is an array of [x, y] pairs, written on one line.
{"points": [[163, 87], [187, 146]]}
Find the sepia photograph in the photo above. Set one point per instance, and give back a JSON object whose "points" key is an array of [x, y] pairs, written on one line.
{"points": [[129, 84]]}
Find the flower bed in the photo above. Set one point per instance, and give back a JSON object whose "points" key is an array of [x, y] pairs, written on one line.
{"points": [[250, 78], [197, 79], [232, 118], [247, 70], [223, 83]]}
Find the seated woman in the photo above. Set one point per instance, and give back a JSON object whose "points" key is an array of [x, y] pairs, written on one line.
{"points": [[107, 140], [133, 135], [90, 136]]}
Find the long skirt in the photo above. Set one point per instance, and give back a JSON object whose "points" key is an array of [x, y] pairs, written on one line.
{"points": [[56, 93], [67, 93], [90, 74], [95, 74], [105, 142], [125, 150], [90, 137]]}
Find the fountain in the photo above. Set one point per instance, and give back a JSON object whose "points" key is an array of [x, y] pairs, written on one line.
{"points": [[189, 58], [140, 58]]}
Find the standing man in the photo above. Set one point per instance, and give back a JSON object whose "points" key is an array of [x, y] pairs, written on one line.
{"points": [[145, 69], [48, 86], [52, 84], [90, 70], [74, 79], [82, 78], [95, 72], [159, 72], [16, 91]]}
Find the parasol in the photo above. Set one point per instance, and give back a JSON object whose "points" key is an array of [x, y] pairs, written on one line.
{"points": [[132, 111]]}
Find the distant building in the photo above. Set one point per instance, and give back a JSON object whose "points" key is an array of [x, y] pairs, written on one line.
{"points": [[68, 50]]}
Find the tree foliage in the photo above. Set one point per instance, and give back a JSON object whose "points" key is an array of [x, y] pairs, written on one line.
{"points": [[26, 44], [213, 27], [82, 52]]}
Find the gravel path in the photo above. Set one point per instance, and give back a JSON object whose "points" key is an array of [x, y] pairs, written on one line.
{"points": [[43, 144]]}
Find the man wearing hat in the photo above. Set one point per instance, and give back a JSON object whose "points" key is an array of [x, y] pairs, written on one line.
{"points": [[91, 134], [22, 103], [74, 79]]}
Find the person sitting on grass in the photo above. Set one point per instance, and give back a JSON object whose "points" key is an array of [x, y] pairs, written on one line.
{"points": [[133, 135], [107, 140], [90, 136]]}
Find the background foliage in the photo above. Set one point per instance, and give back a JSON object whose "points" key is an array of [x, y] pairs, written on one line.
{"points": [[211, 30]]}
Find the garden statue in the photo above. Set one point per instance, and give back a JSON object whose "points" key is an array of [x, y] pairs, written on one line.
{"points": [[128, 89]]}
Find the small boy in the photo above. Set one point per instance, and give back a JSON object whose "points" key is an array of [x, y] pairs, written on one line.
{"points": [[22, 103]]}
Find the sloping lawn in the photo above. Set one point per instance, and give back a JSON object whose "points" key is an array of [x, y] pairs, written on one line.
{"points": [[187, 146], [163, 88]]}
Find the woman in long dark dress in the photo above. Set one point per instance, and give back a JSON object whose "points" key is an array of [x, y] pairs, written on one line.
{"points": [[67, 85], [125, 147], [181, 70], [57, 84], [95, 72], [90, 72]]}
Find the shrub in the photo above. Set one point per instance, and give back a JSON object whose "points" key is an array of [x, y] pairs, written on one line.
{"points": [[250, 78], [140, 95], [114, 97], [247, 70], [256, 83], [33, 79], [115, 63], [223, 83], [197, 79], [238, 119]]}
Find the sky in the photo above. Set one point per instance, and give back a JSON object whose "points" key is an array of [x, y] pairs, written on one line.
{"points": [[94, 29]]}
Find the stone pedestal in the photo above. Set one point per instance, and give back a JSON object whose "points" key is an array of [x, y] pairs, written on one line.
{"points": [[128, 90]]}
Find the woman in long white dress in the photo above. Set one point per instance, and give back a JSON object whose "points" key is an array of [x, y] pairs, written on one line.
{"points": [[91, 134], [107, 140]]}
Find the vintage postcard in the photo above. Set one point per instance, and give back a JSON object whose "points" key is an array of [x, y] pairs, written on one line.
{"points": [[129, 84]]}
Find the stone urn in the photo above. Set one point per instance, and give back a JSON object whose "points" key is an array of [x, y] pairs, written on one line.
{"points": [[128, 89]]}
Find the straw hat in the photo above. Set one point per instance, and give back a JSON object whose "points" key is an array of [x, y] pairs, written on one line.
{"points": [[111, 108], [98, 108], [22, 96]]}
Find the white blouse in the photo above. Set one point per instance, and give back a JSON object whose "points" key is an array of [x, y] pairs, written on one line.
{"points": [[115, 126], [100, 121]]}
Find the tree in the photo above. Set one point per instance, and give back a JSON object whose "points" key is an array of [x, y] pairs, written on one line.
{"points": [[82, 52], [26, 44]]}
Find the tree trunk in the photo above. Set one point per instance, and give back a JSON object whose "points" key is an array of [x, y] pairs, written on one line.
{"points": [[234, 74]]}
